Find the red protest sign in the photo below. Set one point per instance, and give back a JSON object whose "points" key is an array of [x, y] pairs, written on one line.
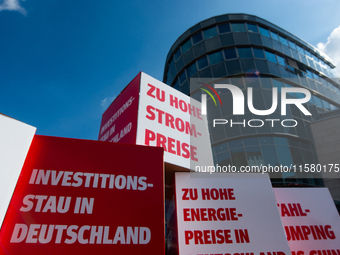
{"points": [[88, 197]]}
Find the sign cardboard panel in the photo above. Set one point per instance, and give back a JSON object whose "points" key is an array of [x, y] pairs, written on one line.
{"points": [[15, 140], [86, 197], [228, 214], [119, 121], [310, 219], [170, 119], [166, 118]]}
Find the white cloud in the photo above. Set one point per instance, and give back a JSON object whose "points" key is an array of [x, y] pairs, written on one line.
{"points": [[332, 48], [11, 5]]}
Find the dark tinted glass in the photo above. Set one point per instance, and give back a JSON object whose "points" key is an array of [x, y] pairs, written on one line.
{"points": [[203, 62], [238, 27], [176, 86], [215, 58], [182, 77], [211, 32], [258, 53], [252, 28], [177, 54], [197, 38], [186, 46], [269, 155], [284, 155], [191, 70], [230, 53], [280, 141], [223, 159], [221, 147], [239, 158], [244, 53], [236, 144], [254, 156], [266, 140], [225, 28], [250, 141]]}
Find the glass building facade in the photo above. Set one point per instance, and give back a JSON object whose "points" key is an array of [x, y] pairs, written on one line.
{"points": [[247, 51]]}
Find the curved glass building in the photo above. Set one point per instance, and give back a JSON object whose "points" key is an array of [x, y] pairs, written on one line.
{"points": [[247, 51]]}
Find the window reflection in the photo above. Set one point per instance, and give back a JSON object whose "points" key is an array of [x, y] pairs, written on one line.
{"points": [[252, 28], [191, 70], [238, 27], [254, 156], [177, 54], [274, 36], [203, 62], [264, 32], [186, 46], [271, 57], [211, 32], [216, 58]]}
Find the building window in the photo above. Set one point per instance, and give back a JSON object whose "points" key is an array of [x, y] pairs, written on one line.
{"points": [[333, 107], [283, 41], [238, 27], [211, 32], [310, 74], [186, 46], [230, 54], [244, 53], [191, 70], [281, 60], [176, 86], [182, 77], [274, 36], [277, 84], [271, 57], [177, 54], [216, 58], [317, 101], [264, 32], [292, 45], [224, 28], [197, 38], [168, 77], [258, 53], [252, 28], [203, 62], [326, 104], [300, 49]]}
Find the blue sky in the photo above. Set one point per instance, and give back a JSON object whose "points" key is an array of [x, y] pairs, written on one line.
{"points": [[63, 62]]}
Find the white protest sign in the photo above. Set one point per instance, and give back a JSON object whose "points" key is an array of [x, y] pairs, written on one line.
{"points": [[228, 214], [310, 219], [15, 140], [170, 119]]}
